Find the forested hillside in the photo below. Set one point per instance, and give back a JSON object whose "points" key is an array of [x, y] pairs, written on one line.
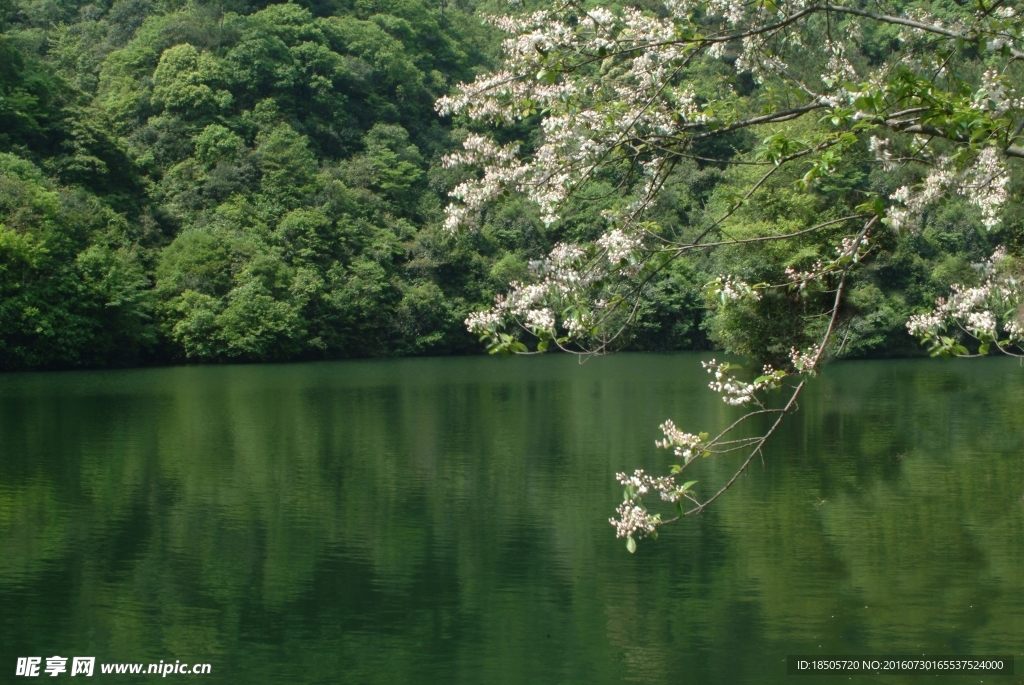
{"points": [[216, 182], [227, 181]]}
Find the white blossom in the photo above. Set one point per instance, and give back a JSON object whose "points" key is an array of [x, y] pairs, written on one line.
{"points": [[619, 245], [639, 484], [543, 319], [729, 288], [736, 392], [880, 148], [561, 277], [804, 361], [983, 183], [994, 95], [984, 311], [683, 445], [480, 322], [633, 521]]}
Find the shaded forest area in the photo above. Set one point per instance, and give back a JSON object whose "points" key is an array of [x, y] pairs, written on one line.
{"points": [[228, 181]]}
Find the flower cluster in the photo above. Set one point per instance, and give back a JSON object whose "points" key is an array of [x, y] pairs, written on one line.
{"points": [[983, 183], [804, 361], [683, 445], [559, 275], [729, 288], [839, 69], [920, 15], [916, 199], [488, 321], [852, 248], [880, 149], [802, 278], [736, 392], [633, 521], [640, 484], [995, 95], [688, 107], [849, 246], [642, 93], [619, 245], [992, 312], [577, 129]]}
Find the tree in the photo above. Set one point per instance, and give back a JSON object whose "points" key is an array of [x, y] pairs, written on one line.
{"points": [[273, 170], [777, 95]]}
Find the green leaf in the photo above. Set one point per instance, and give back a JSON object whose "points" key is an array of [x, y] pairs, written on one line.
{"points": [[631, 544], [983, 349], [689, 484], [875, 205]]}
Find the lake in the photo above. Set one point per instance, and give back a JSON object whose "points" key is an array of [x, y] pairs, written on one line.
{"points": [[446, 521]]}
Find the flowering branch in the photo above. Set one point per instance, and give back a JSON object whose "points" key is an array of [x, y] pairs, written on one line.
{"points": [[630, 96], [637, 523], [990, 314]]}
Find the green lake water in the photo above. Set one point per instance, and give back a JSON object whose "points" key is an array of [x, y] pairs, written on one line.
{"points": [[445, 521]]}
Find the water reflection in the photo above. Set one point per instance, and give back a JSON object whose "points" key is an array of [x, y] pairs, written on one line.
{"points": [[445, 521]]}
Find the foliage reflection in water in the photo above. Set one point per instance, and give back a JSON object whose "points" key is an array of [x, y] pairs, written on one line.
{"points": [[445, 521]]}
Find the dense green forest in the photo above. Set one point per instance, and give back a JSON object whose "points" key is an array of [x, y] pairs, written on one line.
{"points": [[226, 181]]}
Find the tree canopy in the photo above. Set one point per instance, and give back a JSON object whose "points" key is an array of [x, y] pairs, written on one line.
{"points": [[210, 182]]}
